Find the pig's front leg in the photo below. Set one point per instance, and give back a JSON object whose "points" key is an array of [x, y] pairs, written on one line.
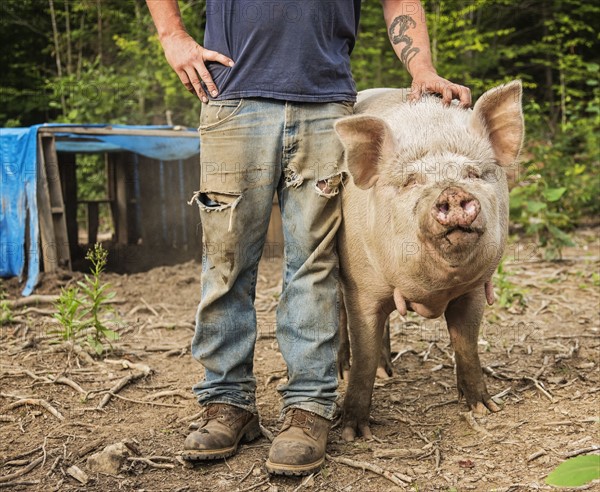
{"points": [[463, 316], [366, 327]]}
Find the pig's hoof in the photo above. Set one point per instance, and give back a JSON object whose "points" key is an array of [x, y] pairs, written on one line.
{"points": [[481, 409], [382, 373], [349, 432]]}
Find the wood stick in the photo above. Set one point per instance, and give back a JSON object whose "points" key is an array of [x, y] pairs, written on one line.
{"points": [[142, 402], [17, 484], [119, 386], [35, 401], [395, 477], [259, 484], [441, 404], [149, 462], [150, 308], [59, 380], [180, 393], [20, 455], [540, 388], [577, 452], [32, 300], [23, 471]]}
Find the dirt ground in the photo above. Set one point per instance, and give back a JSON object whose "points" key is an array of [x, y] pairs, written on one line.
{"points": [[542, 359]]}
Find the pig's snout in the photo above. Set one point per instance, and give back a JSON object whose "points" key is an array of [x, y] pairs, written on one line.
{"points": [[456, 208]]}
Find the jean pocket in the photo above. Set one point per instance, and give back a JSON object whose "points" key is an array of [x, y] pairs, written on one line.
{"points": [[216, 113]]}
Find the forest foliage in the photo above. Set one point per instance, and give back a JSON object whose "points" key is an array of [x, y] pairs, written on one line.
{"points": [[91, 61]]}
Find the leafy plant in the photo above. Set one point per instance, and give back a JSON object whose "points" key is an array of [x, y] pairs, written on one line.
{"points": [[69, 313], [83, 308], [510, 296], [575, 471], [536, 206], [6, 316], [94, 299]]}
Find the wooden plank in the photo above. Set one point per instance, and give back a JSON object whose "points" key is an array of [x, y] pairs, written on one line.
{"points": [[48, 238], [150, 208], [93, 220], [118, 131], [121, 197], [56, 202], [67, 163]]}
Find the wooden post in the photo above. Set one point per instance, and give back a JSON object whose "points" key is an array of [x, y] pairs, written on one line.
{"points": [[92, 221], [67, 163], [53, 227]]}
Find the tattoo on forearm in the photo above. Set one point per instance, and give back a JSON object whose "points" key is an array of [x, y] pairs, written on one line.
{"points": [[398, 35]]}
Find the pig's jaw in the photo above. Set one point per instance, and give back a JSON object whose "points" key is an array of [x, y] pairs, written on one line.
{"points": [[453, 245], [458, 239]]}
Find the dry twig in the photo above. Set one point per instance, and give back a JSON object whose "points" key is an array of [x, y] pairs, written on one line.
{"points": [[142, 371], [23, 471], [441, 404], [577, 452], [180, 393], [255, 486], [395, 477], [153, 464], [470, 419], [32, 300], [35, 401]]}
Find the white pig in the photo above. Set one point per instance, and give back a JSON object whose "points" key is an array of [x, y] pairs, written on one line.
{"points": [[425, 225]]}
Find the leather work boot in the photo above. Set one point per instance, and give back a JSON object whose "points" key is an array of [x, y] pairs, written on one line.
{"points": [[220, 431], [299, 448]]}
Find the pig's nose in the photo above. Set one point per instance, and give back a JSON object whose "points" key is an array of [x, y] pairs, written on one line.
{"points": [[456, 208]]}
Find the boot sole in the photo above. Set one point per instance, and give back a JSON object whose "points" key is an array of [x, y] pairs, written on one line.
{"points": [[249, 433], [294, 470]]}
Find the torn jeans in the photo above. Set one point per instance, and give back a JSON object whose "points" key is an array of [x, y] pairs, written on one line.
{"points": [[251, 149]]}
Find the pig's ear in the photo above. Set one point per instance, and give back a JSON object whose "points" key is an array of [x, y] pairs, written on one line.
{"points": [[498, 115], [366, 140]]}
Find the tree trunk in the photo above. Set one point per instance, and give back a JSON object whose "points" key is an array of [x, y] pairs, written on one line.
{"points": [[80, 46], [548, 74], [68, 33], [99, 10], [57, 56]]}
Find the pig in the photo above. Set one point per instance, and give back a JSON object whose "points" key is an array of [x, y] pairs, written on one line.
{"points": [[425, 220]]}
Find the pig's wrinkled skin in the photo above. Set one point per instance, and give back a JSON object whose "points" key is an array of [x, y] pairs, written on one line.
{"points": [[425, 224]]}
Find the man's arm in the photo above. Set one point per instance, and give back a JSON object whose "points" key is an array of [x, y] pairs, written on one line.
{"points": [[184, 55], [407, 29]]}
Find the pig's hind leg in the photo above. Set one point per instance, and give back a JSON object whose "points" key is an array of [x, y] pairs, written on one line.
{"points": [[366, 325], [463, 316], [385, 370]]}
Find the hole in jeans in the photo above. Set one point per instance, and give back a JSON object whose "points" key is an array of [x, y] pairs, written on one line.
{"points": [[216, 200], [330, 186]]}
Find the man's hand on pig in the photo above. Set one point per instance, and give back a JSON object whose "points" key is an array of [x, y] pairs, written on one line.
{"points": [[429, 82]]}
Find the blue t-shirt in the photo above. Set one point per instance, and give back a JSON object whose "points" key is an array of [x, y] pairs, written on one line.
{"points": [[294, 50]]}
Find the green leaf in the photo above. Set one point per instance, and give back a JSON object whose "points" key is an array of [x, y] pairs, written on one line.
{"points": [[110, 334], [554, 194], [535, 207], [562, 236], [576, 471]]}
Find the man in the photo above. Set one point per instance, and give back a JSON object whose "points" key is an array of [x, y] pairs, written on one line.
{"points": [[273, 77]]}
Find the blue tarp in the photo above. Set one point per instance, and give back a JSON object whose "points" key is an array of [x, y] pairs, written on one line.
{"points": [[18, 153]]}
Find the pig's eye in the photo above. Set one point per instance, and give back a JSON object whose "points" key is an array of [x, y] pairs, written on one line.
{"points": [[412, 180], [473, 174]]}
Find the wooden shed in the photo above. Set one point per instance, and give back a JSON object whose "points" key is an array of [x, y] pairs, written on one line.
{"points": [[150, 175]]}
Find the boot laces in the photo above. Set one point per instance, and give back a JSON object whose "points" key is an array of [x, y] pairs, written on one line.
{"points": [[300, 418]]}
